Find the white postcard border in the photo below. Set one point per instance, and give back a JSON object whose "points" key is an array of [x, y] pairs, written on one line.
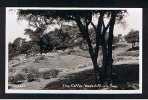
{"points": [[74, 91]]}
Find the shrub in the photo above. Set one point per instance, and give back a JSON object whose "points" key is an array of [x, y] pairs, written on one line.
{"points": [[31, 77], [11, 79], [10, 70], [9, 87], [39, 58], [32, 74], [50, 74], [115, 39], [17, 78]]}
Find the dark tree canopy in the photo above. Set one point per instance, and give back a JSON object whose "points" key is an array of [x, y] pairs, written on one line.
{"points": [[132, 37], [40, 18]]}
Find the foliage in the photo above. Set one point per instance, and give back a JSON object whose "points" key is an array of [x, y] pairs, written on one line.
{"points": [[58, 39], [17, 78], [31, 74], [14, 48], [115, 40], [22, 47], [50, 74], [132, 37]]}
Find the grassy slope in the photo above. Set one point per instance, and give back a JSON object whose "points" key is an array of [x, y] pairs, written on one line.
{"points": [[77, 68]]}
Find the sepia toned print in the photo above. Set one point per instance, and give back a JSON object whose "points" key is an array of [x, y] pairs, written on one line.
{"points": [[74, 50]]}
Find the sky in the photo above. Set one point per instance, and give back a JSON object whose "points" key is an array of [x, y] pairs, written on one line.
{"points": [[15, 28]]}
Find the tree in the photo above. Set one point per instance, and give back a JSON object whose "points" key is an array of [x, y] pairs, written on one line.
{"points": [[11, 50], [132, 37], [47, 41], [83, 19], [17, 44], [29, 47]]}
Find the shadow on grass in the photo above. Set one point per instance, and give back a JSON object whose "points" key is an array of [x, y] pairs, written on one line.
{"points": [[125, 77], [133, 49]]}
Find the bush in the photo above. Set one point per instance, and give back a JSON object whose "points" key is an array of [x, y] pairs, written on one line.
{"points": [[31, 77], [42, 57], [115, 39], [10, 70], [31, 74], [11, 79], [50, 74], [133, 49], [17, 78]]}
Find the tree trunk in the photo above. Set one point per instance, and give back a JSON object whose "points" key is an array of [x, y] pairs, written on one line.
{"points": [[104, 69], [98, 42], [85, 34], [93, 56], [109, 49]]}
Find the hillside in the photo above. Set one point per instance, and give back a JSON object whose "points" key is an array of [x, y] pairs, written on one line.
{"points": [[72, 66]]}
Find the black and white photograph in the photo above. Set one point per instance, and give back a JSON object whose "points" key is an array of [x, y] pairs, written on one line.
{"points": [[73, 50]]}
